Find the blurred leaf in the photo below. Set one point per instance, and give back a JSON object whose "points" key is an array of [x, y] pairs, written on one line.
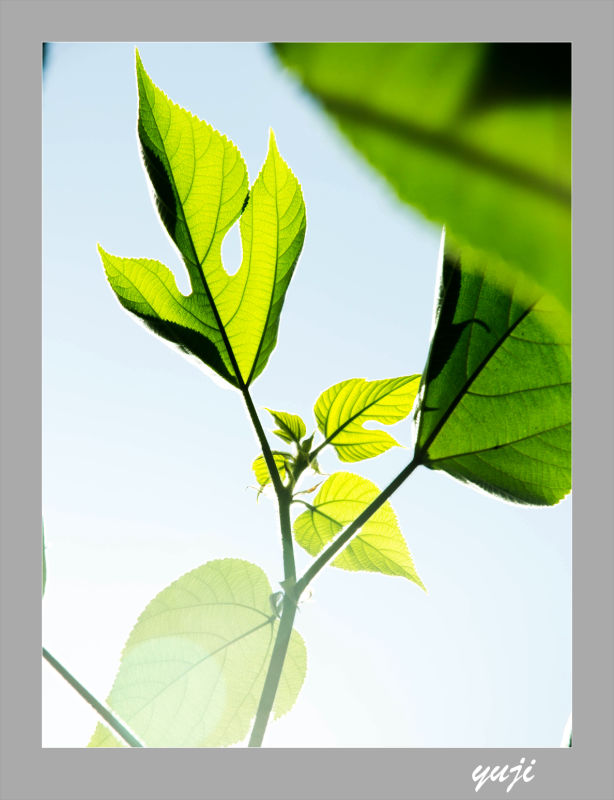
{"points": [[291, 426], [192, 671], [495, 404], [104, 738], [476, 136], [200, 181], [379, 547], [342, 411], [261, 471]]}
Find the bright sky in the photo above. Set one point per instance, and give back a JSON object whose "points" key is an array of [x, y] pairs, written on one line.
{"points": [[147, 462]]}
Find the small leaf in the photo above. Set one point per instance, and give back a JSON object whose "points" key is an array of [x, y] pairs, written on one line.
{"points": [[229, 322], [291, 426], [102, 737], [342, 410], [495, 407], [192, 671], [261, 471], [305, 445], [379, 547]]}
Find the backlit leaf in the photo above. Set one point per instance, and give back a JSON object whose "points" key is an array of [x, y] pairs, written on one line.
{"points": [[477, 136], [200, 182], [495, 404], [342, 411], [192, 670], [378, 547], [291, 426], [261, 471]]}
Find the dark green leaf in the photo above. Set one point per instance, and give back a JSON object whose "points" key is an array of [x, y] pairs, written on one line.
{"points": [[476, 136], [495, 402]]}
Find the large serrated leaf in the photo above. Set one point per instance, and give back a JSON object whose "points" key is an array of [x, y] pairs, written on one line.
{"points": [[378, 547], [342, 411], [200, 181], [477, 136], [495, 404], [192, 670]]}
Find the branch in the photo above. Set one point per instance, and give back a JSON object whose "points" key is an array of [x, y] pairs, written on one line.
{"points": [[104, 712], [360, 520]]}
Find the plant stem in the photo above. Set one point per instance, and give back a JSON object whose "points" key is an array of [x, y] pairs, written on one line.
{"points": [[360, 520], [271, 682], [284, 494], [284, 631], [108, 717], [266, 449]]}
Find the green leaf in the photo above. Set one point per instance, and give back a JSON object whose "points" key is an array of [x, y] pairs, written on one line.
{"points": [[495, 404], [261, 471], [342, 411], [192, 671], [379, 547], [200, 182], [291, 426], [476, 136], [103, 737]]}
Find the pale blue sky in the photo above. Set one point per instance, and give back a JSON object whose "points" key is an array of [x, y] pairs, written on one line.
{"points": [[146, 461]]}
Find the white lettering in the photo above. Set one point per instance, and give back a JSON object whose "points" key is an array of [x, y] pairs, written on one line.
{"points": [[481, 774]]}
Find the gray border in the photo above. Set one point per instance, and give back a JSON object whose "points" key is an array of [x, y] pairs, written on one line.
{"points": [[29, 772]]}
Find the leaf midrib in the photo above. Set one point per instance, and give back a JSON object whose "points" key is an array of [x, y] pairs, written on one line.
{"points": [[358, 414], [268, 315], [463, 390], [502, 445], [196, 664], [439, 141], [199, 265]]}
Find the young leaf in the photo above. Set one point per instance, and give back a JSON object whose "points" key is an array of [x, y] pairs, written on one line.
{"points": [[291, 426], [495, 404], [261, 471], [192, 670], [477, 136], [342, 410], [379, 547], [200, 181]]}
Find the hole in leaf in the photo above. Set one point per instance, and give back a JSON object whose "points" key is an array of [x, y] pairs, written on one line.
{"points": [[232, 251]]}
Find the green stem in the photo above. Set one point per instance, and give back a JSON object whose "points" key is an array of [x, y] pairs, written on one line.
{"points": [[284, 631], [271, 682], [264, 445], [287, 543], [96, 705], [360, 520], [284, 494], [294, 591]]}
